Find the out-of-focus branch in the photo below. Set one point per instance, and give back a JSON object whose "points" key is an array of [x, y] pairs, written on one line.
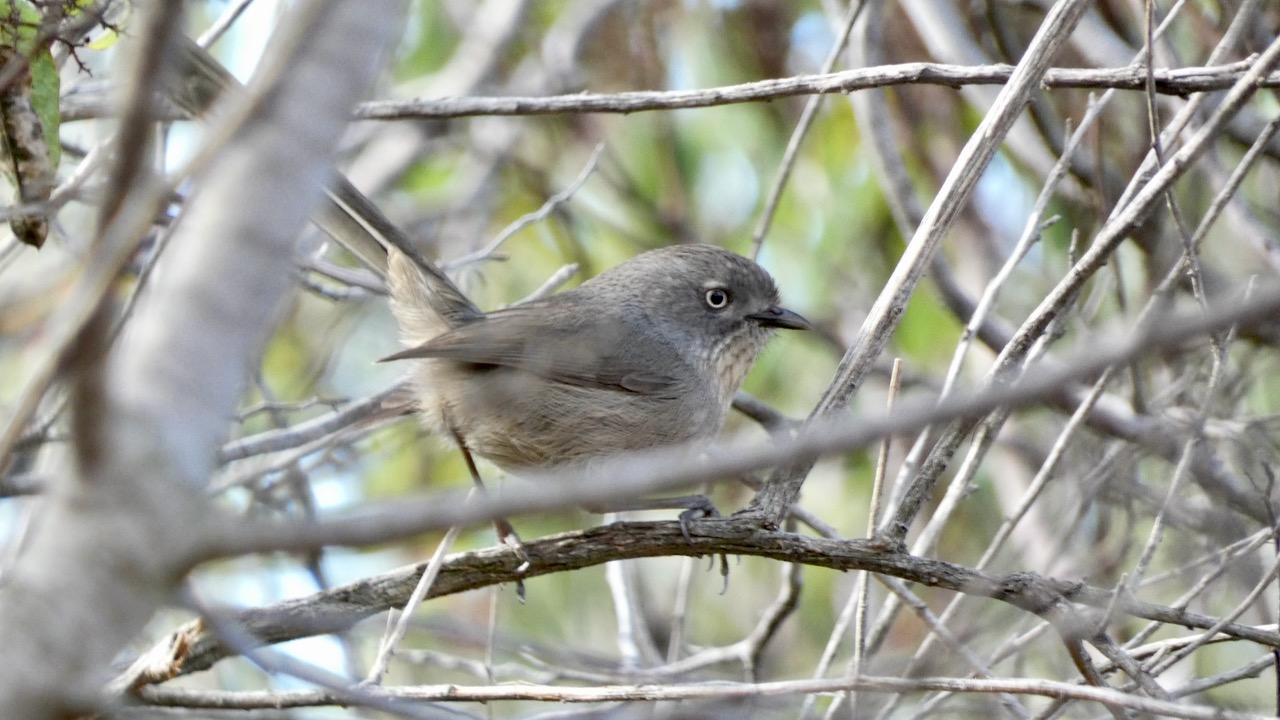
{"points": [[662, 470], [107, 550]]}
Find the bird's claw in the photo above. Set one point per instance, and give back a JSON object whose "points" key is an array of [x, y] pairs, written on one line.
{"points": [[698, 511]]}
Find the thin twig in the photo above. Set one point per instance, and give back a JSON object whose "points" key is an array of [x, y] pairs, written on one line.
{"points": [[792, 150], [524, 221], [383, 659]]}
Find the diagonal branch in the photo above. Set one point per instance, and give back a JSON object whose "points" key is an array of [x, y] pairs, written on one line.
{"points": [[783, 487]]}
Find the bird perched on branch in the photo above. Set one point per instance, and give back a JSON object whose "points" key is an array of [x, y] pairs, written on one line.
{"points": [[647, 354]]}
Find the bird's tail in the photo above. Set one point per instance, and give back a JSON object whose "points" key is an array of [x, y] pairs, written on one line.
{"points": [[424, 304]]}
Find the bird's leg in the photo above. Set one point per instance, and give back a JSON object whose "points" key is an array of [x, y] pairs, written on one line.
{"points": [[506, 533]]}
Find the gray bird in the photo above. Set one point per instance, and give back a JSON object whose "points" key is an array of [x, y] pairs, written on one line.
{"points": [[647, 354]]}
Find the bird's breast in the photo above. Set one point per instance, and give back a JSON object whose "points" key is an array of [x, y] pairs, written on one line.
{"points": [[520, 420]]}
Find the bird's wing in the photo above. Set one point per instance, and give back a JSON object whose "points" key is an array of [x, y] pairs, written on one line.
{"points": [[596, 352]]}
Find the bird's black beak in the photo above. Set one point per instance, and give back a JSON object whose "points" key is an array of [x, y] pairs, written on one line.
{"points": [[779, 317]]}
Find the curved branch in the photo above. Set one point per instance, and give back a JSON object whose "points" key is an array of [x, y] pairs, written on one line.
{"points": [[193, 647]]}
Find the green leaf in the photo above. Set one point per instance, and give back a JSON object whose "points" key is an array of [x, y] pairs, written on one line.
{"points": [[45, 86]]}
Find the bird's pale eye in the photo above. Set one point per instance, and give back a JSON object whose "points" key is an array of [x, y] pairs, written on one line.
{"points": [[717, 298]]}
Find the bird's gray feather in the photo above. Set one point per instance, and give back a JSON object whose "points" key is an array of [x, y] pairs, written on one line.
{"points": [[528, 338]]}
